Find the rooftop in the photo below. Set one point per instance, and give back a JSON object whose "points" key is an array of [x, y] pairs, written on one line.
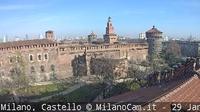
{"points": [[26, 42], [187, 92], [49, 31], [154, 30], [182, 90], [92, 33]]}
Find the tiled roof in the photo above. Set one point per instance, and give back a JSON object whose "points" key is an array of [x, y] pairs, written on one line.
{"points": [[188, 92], [146, 94], [49, 31], [182, 91], [154, 30], [26, 42]]}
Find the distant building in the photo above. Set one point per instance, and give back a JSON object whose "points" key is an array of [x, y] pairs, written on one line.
{"points": [[17, 38], [92, 38], [26, 37], [121, 38], [5, 39], [50, 35], [142, 36], [166, 38], [41, 36], [154, 39], [110, 37]]}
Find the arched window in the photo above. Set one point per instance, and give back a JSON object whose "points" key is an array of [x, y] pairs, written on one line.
{"points": [[32, 69], [46, 56], [42, 68], [31, 57], [11, 60], [39, 57], [52, 67]]}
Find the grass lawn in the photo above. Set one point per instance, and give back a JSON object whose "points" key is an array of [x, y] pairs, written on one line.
{"points": [[123, 87], [86, 93], [43, 90], [4, 91]]}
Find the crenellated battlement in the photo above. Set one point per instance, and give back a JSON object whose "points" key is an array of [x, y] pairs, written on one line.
{"points": [[27, 44], [101, 47]]}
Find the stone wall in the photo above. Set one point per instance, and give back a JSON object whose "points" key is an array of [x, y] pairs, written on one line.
{"points": [[105, 67], [188, 48], [67, 53], [155, 45], [36, 69], [61, 61]]}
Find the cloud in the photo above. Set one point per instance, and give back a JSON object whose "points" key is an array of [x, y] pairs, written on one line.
{"points": [[16, 7]]}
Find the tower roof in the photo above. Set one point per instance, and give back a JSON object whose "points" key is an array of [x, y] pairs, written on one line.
{"points": [[109, 19], [92, 33], [154, 30], [49, 31]]}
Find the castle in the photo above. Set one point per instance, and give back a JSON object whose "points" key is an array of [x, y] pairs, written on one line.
{"points": [[155, 41], [46, 59]]}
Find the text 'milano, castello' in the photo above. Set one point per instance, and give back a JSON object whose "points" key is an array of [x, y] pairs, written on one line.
{"points": [[45, 59]]}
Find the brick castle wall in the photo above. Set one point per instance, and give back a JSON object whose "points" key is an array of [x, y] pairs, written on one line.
{"points": [[58, 60]]}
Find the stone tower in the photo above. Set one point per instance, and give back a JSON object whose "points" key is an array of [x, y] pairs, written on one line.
{"points": [[92, 37], [49, 35], [110, 37], [154, 39]]}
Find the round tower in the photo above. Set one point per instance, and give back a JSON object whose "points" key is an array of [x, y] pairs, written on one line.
{"points": [[154, 39]]}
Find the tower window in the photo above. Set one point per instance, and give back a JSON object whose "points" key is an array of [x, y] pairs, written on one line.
{"points": [[31, 57], [42, 68], [18, 59], [46, 56], [39, 57], [11, 60]]}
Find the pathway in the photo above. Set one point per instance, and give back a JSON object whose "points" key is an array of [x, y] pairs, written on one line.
{"points": [[69, 90]]}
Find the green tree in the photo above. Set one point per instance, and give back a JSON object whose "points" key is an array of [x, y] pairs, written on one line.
{"points": [[157, 63], [173, 48], [18, 74], [172, 53]]}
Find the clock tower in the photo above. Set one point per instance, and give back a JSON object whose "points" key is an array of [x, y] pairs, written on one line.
{"points": [[110, 37]]}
